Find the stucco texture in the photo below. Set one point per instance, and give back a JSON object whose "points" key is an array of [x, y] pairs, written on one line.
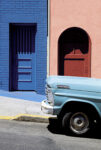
{"points": [[71, 13]]}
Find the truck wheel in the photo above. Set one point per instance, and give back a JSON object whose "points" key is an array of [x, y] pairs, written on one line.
{"points": [[78, 123]]}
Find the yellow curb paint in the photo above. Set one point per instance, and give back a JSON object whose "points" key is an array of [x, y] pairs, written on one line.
{"points": [[23, 115], [6, 117]]}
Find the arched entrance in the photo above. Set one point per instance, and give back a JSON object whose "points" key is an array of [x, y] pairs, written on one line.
{"points": [[74, 54]]}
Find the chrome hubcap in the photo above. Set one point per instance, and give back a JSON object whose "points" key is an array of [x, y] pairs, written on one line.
{"points": [[79, 123]]}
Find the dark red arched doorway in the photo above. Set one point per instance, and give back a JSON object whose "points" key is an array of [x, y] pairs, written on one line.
{"points": [[74, 54]]}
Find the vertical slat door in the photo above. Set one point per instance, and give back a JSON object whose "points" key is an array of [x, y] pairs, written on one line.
{"points": [[24, 57]]}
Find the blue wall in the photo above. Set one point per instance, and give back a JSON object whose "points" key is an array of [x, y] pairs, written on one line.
{"points": [[24, 11]]}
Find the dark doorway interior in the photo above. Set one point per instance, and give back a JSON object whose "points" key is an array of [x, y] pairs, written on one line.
{"points": [[74, 53]]}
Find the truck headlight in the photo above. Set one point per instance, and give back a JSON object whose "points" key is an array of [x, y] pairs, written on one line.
{"points": [[49, 95]]}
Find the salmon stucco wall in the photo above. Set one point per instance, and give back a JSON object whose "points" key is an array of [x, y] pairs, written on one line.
{"points": [[71, 13]]}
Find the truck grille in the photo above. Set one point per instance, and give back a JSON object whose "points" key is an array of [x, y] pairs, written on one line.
{"points": [[49, 95]]}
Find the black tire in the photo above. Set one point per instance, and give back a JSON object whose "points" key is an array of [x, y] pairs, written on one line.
{"points": [[77, 123]]}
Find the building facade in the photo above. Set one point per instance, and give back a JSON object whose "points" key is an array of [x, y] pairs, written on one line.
{"points": [[75, 38], [73, 46], [23, 45]]}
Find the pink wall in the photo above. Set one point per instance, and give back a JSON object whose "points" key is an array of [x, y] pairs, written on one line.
{"points": [[85, 14]]}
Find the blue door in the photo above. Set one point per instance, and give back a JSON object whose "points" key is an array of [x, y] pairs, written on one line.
{"points": [[23, 56]]}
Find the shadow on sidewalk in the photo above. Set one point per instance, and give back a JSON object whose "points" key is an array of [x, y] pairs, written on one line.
{"points": [[56, 128], [23, 95]]}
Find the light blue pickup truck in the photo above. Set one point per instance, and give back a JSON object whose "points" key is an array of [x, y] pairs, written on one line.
{"points": [[76, 100]]}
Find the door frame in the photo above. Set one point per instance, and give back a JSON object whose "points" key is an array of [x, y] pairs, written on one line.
{"points": [[61, 54], [11, 52]]}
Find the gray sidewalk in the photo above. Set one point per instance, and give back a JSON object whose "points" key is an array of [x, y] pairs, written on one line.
{"points": [[18, 109]]}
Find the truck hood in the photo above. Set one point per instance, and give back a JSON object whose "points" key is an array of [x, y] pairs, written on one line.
{"points": [[75, 83]]}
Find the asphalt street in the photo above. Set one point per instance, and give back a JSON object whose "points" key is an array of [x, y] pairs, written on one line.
{"points": [[16, 135]]}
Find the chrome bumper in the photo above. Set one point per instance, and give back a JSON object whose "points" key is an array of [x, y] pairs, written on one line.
{"points": [[46, 108]]}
